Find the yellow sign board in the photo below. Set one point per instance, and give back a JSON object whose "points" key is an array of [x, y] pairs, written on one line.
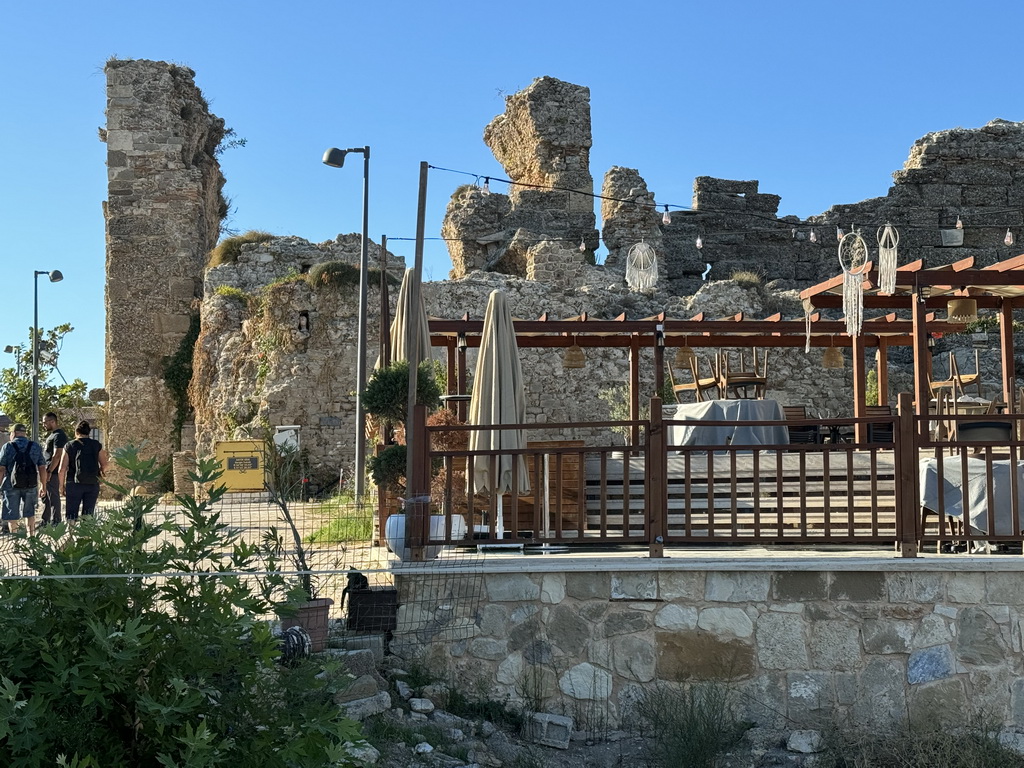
{"points": [[243, 463]]}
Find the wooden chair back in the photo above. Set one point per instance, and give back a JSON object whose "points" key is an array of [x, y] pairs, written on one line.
{"points": [[880, 433], [800, 433]]}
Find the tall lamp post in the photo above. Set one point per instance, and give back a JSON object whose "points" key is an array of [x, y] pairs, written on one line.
{"points": [[16, 350], [336, 159], [55, 277]]}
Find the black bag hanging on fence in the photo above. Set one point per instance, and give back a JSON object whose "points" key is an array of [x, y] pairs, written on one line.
{"points": [[23, 472]]}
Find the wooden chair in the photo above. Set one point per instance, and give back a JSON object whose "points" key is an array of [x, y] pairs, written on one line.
{"points": [[880, 433], [697, 385], [745, 381], [800, 433], [965, 380], [563, 488]]}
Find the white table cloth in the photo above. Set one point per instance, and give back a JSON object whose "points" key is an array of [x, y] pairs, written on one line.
{"points": [[727, 410], [977, 491]]}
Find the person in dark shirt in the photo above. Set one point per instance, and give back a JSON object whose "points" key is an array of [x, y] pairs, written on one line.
{"points": [[81, 467], [53, 450]]}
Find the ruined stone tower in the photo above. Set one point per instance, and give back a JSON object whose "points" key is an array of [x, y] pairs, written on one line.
{"points": [[163, 215]]}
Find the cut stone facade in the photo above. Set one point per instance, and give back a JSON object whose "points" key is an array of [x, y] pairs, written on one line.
{"points": [[807, 647], [163, 215]]}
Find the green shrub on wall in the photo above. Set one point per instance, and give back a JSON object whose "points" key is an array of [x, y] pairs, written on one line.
{"points": [[178, 375]]}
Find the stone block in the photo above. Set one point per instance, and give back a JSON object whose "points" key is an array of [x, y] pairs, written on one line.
{"points": [[550, 730], [928, 664], [887, 636], [928, 587], [552, 588], [979, 640], [568, 630], [684, 656], [674, 616], [858, 586], [363, 687], [726, 622], [835, 644], [490, 648], [586, 682], [642, 585], [939, 702], [681, 585], [423, 706], [809, 694], [1003, 589], [737, 587], [620, 622], [634, 658], [588, 586], [799, 586], [805, 742], [881, 696], [360, 709], [967, 587], [492, 620], [781, 641], [933, 629], [511, 587]]}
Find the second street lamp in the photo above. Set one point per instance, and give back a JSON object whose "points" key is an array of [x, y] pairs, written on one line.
{"points": [[336, 159], [55, 277]]}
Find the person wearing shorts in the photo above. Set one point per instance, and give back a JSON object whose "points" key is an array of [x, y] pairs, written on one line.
{"points": [[21, 502]]}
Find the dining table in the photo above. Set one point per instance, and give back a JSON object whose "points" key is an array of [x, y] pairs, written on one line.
{"points": [[974, 493], [772, 431]]}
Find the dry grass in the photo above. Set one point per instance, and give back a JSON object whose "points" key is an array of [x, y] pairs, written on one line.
{"points": [[228, 249]]}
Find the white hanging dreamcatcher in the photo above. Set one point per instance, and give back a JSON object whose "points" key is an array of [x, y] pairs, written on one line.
{"points": [[888, 239], [853, 260], [641, 268]]}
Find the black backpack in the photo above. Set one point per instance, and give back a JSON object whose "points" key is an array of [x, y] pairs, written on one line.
{"points": [[23, 472], [87, 462]]}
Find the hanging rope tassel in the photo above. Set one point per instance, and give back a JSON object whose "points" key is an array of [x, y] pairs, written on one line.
{"points": [[808, 311], [853, 260], [888, 240], [641, 268]]}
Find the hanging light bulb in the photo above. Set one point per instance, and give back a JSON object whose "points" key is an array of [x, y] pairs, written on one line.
{"points": [[959, 224], [839, 233], [666, 218], [486, 189], [792, 232], [699, 243], [1008, 240], [814, 236], [583, 245]]}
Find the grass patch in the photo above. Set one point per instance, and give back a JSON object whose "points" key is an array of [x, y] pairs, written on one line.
{"points": [[231, 292], [690, 725], [971, 746], [347, 521], [746, 278], [228, 250]]}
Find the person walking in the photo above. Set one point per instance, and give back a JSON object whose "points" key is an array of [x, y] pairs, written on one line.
{"points": [[53, 450], [22, 466], [81, 466]]}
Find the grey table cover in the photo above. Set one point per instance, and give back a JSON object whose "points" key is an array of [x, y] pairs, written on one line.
{"points": [[977, 491], [727, 410]]}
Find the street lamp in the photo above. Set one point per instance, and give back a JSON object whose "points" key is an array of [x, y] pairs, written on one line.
{"points": [[16, 350], [55, 277], [336, 159]]}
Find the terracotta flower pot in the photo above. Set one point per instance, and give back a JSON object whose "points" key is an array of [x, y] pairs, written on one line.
{"points": [[312, 617]]}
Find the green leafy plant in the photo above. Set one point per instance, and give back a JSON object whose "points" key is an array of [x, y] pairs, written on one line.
{"points": [[110, 662], [232, 292], [871, 388], [177, 369], [66, 399], [285, 464], [387, 392], [387, 468]]}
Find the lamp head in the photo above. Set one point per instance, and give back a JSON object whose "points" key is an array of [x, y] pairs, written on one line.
{"points": [[335, 157], [8, 349], [56, 276]]}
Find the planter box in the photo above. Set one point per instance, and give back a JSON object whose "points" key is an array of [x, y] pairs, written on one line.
{"points": [[372, 610]]}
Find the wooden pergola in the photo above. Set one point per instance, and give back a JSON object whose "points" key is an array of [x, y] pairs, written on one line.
{"points": [[919, 289], [660, 332]]}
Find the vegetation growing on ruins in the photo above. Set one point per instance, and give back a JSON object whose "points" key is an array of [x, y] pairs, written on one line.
{"points": [[66, 399], [228, 250], [231, 292], [177, 369]]}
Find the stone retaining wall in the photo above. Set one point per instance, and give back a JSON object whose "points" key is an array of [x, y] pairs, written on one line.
{"points": [[805, 647]]}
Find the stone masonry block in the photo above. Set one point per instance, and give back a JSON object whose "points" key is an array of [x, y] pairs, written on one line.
{"points": [[800, 586], [588, 586], [509, 587], [550, 730], [634, 586], [858, 586], [736, 587]]}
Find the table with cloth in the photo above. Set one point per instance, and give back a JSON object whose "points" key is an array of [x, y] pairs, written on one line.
{"points": [[727, 434], [977, 491]]}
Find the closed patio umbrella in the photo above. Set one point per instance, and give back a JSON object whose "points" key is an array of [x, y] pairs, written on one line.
{"points": [[498, 398], [403, 309]]}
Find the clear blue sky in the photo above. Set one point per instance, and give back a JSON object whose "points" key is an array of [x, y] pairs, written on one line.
{"points": [[819, 101]]}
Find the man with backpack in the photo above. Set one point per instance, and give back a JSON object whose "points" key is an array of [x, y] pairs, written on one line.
{"points": [[23, 468], [82, 465]]}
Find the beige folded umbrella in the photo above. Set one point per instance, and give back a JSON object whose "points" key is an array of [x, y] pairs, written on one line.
{"points": [[400, 323]]}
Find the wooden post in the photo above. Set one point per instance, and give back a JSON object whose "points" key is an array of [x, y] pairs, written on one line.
{"points": [[634, 386], [922, 392], [859, 387], [1006, 349], [882, 370], [417, 505], [656, 459], [907, 496]]}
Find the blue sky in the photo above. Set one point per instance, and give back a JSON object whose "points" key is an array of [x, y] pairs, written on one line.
{"points": [[819, 101]]}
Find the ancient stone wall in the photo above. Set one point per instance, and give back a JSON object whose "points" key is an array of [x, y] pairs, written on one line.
{"points": [[804, 647], [163, 215]]}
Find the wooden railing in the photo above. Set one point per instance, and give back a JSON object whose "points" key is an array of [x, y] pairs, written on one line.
{"points": [[655, 494]]}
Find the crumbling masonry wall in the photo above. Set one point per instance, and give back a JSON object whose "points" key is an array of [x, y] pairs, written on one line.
{"points": [[163, 215]]}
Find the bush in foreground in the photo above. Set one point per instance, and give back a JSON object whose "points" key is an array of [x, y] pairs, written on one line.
{"points": [[107, 663]]}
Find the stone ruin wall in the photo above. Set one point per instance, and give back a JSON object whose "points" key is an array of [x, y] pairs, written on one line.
{"points": [[163, 215]]}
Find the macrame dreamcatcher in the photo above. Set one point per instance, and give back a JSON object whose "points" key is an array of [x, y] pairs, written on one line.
{"points": [[888, 239], [853, 260], [641, 268]]}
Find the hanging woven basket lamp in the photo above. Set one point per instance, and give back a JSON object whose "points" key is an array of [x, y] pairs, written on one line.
{"points": [[832, 358], [574, 357], [684, 355], [962, 310]]}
